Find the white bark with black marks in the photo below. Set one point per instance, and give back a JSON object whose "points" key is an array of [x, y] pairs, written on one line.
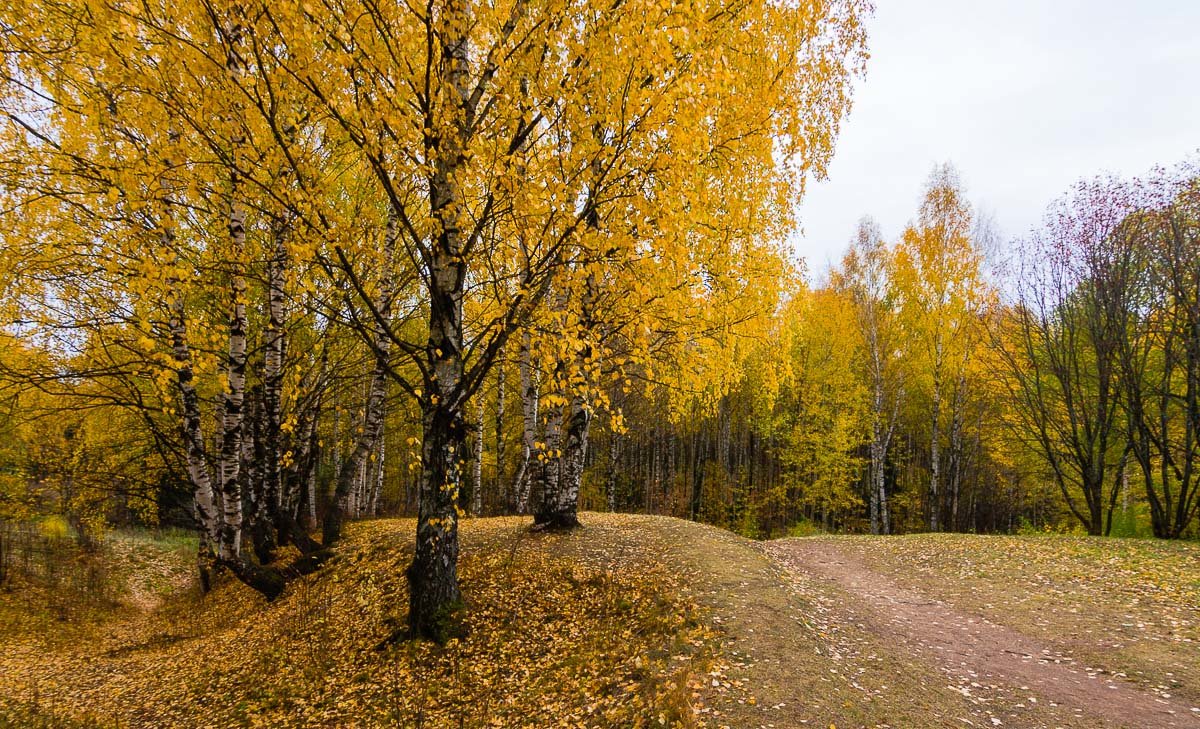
{"points": [[477, 463], [529, 421]]}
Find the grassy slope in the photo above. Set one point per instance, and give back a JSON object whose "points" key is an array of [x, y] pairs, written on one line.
{"points": [[633, 620], [553, 637], [788, 659]]}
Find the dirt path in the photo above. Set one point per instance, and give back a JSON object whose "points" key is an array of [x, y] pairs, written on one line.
{"points": [[795, 659], [983, 656], [150, 572]]}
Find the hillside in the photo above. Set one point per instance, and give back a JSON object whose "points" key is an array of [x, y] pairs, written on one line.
{"points": [[635, 620]]}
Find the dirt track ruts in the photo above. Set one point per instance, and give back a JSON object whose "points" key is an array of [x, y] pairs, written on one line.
{"points": [[956, 641]]}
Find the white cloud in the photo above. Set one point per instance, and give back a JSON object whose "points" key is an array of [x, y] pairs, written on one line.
{"points": [[1024, 97]]}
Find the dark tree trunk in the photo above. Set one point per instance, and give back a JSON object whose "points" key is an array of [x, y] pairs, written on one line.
{"points": [[433, 575], [697, 474]]}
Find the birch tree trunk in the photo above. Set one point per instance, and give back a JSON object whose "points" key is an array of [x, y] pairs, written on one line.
{"points": [[881, 475], [529, 419], [477, 463], [549, 464], [215, 534], [260, 519], [614, 457], [956, 460], [272, 386], [935, 456], [299, 481], [560, 502], [877, 456], [380, 462], [869, 281], [304, 473], [559, 506], [350, 473], [229, 464], [207, 517], [501, 482], [562, 511], [336, 450], [433, 576]]}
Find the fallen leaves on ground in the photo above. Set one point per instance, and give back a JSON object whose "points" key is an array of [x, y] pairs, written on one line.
{"points": [[553, 637]]}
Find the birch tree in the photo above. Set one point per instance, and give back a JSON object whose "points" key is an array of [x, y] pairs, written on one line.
{"points": [[938, 271], [866, 278], [348, 118]]}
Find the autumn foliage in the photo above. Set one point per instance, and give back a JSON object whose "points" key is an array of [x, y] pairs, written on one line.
{"points": [[269, 269]]}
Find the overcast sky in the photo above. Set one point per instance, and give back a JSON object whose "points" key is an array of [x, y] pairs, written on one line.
{"points": [[1023, 96]]}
